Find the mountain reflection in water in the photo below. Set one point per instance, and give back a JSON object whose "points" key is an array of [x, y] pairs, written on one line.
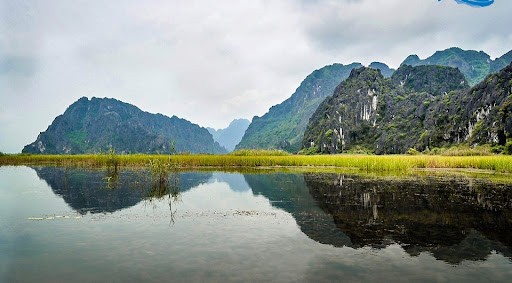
{"points": [[90, 191], [452, 218]]}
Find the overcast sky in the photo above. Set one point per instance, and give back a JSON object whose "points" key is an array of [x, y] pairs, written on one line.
{"points": [[210, 61]]}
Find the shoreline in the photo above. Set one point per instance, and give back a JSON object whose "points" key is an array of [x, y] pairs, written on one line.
{"points": [[366, 163]]}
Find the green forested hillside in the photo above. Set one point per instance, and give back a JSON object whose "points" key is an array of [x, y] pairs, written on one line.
{"points": [[98, 124], [282, 127]]}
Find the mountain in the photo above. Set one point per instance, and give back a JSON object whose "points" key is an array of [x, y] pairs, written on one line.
{"points": [[282, 127], [443, 217], [501, 62], [418, 107], [481, 115], [384, 69], [473, 64], [85, 191], [230, 136], [95, 125]]}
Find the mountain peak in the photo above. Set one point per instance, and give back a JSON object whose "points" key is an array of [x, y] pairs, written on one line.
{"points": [[411, 60], [385, 70], [475, 65], [433, 79], [89, 126], [241, 121], [283, 126], [365, 73], [230, 136]]}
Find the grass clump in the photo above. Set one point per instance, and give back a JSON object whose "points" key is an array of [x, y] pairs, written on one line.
{"points": [[462, 150], [163, 176], [112, 160], [468, 151]]}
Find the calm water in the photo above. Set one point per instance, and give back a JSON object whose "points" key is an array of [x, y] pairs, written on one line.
{"points": [[70, 225]]}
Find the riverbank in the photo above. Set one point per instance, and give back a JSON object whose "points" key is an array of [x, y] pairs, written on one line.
{"points": [[369, 163]]}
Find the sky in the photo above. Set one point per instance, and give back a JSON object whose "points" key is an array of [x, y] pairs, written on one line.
{"points": [[211, 61]]}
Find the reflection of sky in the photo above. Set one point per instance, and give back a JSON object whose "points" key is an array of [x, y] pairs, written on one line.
{"points": [[208, 242], [236, 182], [476, 3]]}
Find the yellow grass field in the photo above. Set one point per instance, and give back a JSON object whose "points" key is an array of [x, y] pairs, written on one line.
{"points": [[369, 163]]}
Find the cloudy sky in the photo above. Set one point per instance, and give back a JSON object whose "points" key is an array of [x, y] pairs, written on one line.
{"points": [[210, 61]]}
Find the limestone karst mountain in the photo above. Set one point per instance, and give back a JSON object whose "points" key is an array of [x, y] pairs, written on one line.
{"points": [[97, 124]]}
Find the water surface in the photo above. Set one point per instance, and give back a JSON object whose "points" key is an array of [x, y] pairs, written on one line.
{"points": [[63, 224]]}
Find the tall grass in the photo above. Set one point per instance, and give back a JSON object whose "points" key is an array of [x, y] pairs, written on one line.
{"points": [[259, 152], [369, 163]]}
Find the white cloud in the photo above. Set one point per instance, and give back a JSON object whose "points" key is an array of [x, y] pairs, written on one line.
{"points": [[210, 61]]}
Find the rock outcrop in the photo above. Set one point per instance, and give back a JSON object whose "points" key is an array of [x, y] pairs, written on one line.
{"points": [[418, 107]]}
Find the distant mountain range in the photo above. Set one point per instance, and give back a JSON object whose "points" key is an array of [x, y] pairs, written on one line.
{"points": [[96, 125], [382, 109], [230, 136], [284, 124], [473, 64]]}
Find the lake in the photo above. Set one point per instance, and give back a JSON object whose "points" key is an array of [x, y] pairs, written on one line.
{"points": [[62, 224]]}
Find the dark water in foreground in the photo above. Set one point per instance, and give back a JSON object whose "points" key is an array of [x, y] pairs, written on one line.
{"points": [[71, 225]]}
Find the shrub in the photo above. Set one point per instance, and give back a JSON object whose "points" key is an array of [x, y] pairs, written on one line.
{"points": [[309, 151], [508, 148], [497, 149], [358, 149]]}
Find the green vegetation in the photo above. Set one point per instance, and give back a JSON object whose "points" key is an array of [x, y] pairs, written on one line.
{"points": [[259, 152], [284, 125], [473, 64], [424, 108], [95, 125], [112, 160], [384, 69], [368, 163], [462, 150], [163, 176], [77, 138], [435, 80], [508, 148]]}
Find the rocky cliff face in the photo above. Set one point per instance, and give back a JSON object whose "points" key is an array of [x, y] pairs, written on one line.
{"points": [[473, 64], [418, 107], [284, 124], [481, 115], [350, 115], [95, 125]]}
